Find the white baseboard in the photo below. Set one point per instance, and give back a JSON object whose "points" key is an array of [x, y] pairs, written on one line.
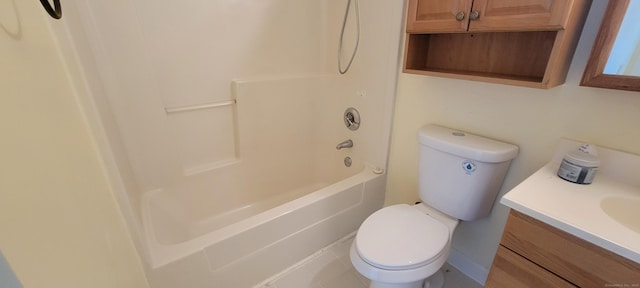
{"points": [[473, 270]]}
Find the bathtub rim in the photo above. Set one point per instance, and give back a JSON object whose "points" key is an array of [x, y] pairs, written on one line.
{"points": [[161, 254]]}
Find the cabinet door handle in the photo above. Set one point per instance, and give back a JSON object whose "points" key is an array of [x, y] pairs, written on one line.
{"points": [[474, 15], [460, 16]]}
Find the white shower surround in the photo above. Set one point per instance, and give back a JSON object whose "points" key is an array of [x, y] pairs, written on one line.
{"points": [[132, 67], [287, 195]]}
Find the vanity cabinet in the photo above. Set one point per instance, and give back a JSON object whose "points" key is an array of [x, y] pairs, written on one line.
{"points": [[534, 254], [526, 42]]}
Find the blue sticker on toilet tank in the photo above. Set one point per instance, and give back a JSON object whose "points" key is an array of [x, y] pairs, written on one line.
{"points": [[469, 166]]}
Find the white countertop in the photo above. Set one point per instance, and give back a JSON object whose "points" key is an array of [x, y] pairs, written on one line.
{"points": [[576, 209]]}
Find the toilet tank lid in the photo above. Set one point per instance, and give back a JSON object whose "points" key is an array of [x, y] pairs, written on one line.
{"points": [[466, 145]]}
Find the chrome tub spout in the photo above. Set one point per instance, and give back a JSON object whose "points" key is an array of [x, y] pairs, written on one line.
{"points": [[345, 144]]}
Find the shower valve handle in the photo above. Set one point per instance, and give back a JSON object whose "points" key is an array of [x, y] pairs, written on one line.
{"points": [[352, 118]]}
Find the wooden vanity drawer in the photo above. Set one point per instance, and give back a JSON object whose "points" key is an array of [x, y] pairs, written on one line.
{"points": [[575, 260], [511, 270]]}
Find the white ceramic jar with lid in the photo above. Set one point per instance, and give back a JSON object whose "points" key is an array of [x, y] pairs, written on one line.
{"points": [[579, 166]]}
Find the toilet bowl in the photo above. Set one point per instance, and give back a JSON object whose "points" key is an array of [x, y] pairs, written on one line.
{"points": [[460, 175], [416, 242]]}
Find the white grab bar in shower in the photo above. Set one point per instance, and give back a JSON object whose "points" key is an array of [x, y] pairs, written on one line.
{"points": [[199, 106]]}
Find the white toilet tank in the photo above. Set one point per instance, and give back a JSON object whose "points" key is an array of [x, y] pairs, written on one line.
{"points": [[460, 174]]}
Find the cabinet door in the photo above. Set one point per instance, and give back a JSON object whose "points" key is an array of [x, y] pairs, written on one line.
{"points": [[433, 16], [520, 15], [511, 270], [569, 257]]}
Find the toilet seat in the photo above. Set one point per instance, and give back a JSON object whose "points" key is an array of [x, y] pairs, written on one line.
{"points": [[400, 237]]}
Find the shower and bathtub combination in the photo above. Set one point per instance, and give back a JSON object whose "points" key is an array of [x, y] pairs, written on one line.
{"points": [[222, 143], [287, 195]]}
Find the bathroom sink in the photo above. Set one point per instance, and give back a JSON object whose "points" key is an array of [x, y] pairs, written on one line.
{"points": [[605, 212], [625, 211]]}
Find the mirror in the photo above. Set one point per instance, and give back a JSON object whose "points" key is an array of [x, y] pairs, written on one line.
{"points": [[615, 59]]}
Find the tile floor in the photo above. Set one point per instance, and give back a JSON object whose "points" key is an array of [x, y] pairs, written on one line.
{"points": [[331, 268]]}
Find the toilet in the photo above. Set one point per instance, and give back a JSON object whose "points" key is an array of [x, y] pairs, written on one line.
{"points": [[460, 175]]}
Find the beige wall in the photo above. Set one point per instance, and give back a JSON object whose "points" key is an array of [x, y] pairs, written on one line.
{"points": [[59, 223], [533, 119]]}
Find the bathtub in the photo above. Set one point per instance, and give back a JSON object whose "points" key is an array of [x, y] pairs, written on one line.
{"points": [[284, 194], [246, 252]]}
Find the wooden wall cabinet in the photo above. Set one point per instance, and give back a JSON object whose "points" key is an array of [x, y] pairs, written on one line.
{"points": [[432, 16], [534, 254], [526, 42]]}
